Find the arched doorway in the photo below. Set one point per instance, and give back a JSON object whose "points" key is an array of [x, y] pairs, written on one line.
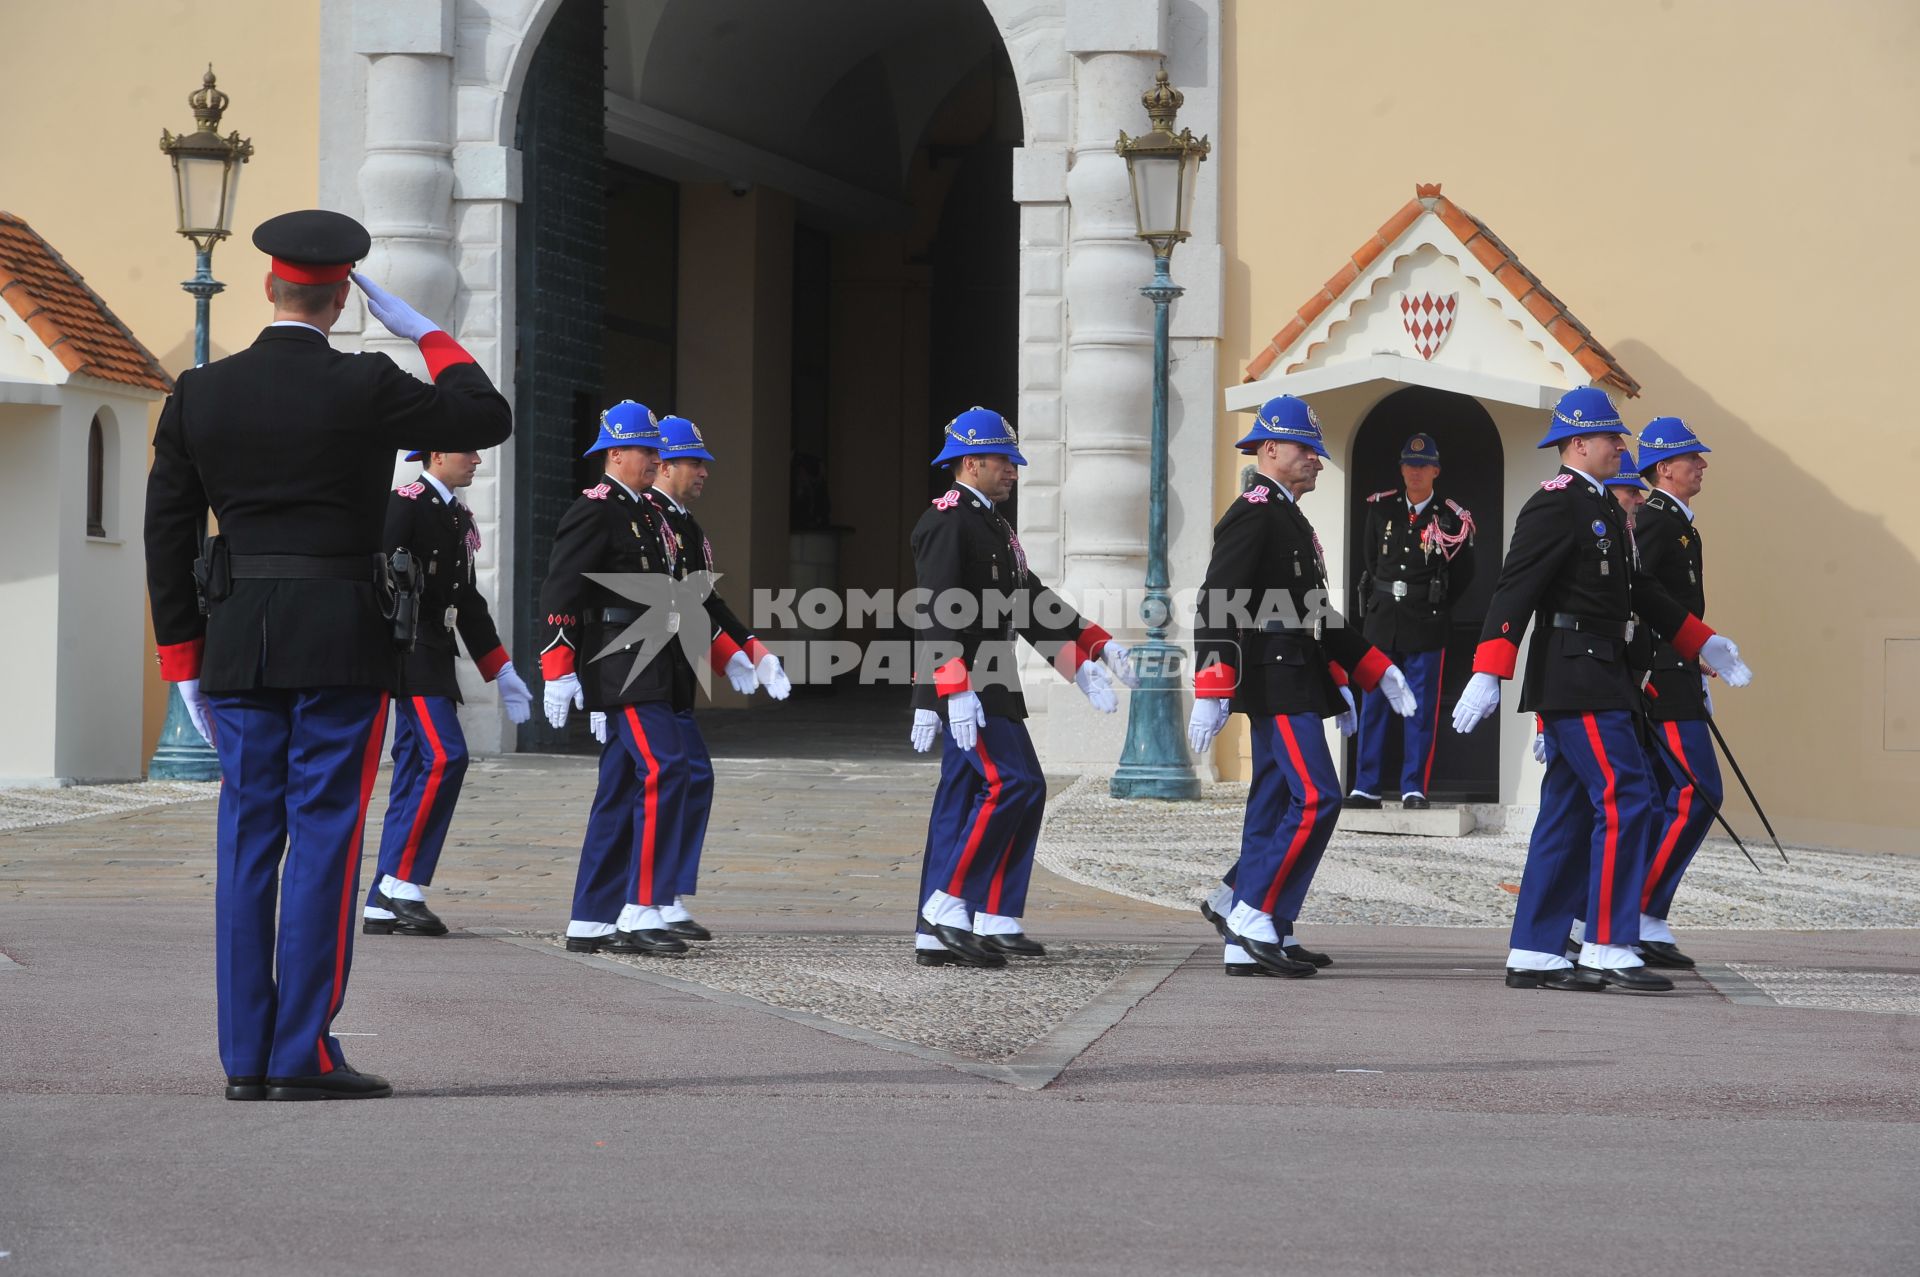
{"points": [[1465, 768]]}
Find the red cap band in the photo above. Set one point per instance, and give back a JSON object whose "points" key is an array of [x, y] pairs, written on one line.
{"points": [[311, 272]]}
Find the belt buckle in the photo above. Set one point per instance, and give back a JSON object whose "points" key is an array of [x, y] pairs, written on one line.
{"points": [[1319, 628], [1399, 589], [452, 615], [1629, 630], [673, 622]]}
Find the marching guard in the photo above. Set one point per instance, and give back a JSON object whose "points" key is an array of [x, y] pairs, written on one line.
{"points": [[284, 634], [429, 522], [1413, 571], [991, 794], [1286, 664], [1572, 570]]}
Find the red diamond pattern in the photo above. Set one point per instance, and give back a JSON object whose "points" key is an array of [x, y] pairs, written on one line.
{"points": [[1428, 319]]}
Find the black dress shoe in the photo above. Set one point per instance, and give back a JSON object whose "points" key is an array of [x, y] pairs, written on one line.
{"points": [[1663, 953], [651, 940], [1360, 802], [1015, 944], [688, 929], [341, 1084], [1274, 958], [246, 1088], [948, 958], [963, 948], [1575, 979], [1217, 918], [1632, 979], [588, 944], [1300, 953], [1415, 802], [410, 918], [1250, 969]]}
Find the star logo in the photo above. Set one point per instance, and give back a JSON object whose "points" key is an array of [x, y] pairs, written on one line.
{"points": [[672, 610]]}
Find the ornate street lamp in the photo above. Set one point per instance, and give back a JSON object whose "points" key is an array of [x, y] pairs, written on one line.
{"points": [[206, 180], [1164, 169]]}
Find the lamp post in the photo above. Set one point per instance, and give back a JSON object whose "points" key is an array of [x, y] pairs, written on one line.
{"points": [[206, 180], [1163, 168]]}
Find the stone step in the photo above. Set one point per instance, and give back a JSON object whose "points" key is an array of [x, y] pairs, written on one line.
{"points": [[1435, 822]]}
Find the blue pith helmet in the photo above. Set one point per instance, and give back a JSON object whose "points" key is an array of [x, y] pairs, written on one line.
{"points": [[680, 441], [1284, 419], [1420, 450], [979, 431], [1666, 438], [1629, 476], [626, 425], [1585, 410]]}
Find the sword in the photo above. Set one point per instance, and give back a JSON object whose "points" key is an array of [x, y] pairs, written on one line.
{"points": [[1701, 794], [1735, 764]]}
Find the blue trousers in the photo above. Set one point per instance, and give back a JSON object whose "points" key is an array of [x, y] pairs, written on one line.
{"points": [[1684, 817], [1417, 733], [429, 766], [1587, 855], [297, 770], [631, 852], [699, 803], [986, 820], [1292, 803]]}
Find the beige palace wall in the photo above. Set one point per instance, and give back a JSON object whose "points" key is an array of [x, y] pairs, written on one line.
{"points": [[94, 82], [1724, 191]]}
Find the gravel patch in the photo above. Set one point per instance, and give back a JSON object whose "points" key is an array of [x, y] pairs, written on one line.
{"points": [[1174, 853], [1884, 991], [30, 807]]}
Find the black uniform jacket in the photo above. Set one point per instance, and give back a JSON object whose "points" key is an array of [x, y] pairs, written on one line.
{"points": [[1572, 558], [1398, 546], [1255, 626], [1670, 554], [980, 596], [693, 552], [290, 443], [444, 540]]}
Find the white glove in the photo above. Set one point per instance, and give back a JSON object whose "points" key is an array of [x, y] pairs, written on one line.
{"points": [[773, 677], [1723, 658], [740, 674], [400, 319], [1208, 717], [1092, 680], [1119, 659], [559, 694], [1399, 695], [514, 695], [926, 725], [1480, 698], [1540, 749], [965, 718], [1706, 692], [1349, 722], [597, 724], [198, 707]]}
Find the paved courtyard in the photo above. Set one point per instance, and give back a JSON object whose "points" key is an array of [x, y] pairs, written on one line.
{"points": [[797, 1097]]}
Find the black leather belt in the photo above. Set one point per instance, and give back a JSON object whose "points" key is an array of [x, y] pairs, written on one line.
{"points": [[1317, 631], [617, 615], [1395, 589], [1622, 630], [370, 568]]}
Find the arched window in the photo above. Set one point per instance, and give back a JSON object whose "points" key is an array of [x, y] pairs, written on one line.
{"points": [[96, 479]]}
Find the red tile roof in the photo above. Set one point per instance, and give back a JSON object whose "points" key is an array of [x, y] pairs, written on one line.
{"points": [[1525, 286], [49, 295]]}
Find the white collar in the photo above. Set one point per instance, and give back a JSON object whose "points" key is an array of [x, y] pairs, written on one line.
{"points": [[297, 323], [446, 493], [623, 487], [1597, 485], [678, 506], [976, 492], [1418, 509], [1684, 507]]}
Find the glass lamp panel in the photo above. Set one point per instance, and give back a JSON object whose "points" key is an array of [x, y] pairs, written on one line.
{"points": [[1156, 192], [202, 179], [232, 189], [1189, 184]]}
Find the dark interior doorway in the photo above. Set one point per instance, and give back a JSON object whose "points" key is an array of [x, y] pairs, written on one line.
{"points": [[1472, 472]]}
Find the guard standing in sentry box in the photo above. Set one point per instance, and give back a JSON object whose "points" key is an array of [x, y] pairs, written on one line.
{"points": [[428, 520], [1413, 569]]}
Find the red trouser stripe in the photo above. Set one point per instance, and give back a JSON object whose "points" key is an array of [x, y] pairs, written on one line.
{"points": [[1602, 932], [1310, 808], [350, 878], [434, 774], [1672, 838], [650, 810], [979, 832], [1433, 739]]}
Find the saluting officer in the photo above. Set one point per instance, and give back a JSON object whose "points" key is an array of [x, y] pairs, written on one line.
{"points": [[1572, 570], [1678, 703], [987, 806], [427, 520], [1412, 571], [287, 658], [735, 652], [1268, 644], [630, 855]]}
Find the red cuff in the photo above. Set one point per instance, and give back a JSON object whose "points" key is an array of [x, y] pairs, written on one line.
{"points": [[556, 662], [1497, 657], [1692, 636], [442, 352], [181, 661], [951, 677], [756, 650], [1216, 681], [723, 650], [1090, 643], [1539, 725], [1374, 664], [492, 663], [1339, 675]]}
